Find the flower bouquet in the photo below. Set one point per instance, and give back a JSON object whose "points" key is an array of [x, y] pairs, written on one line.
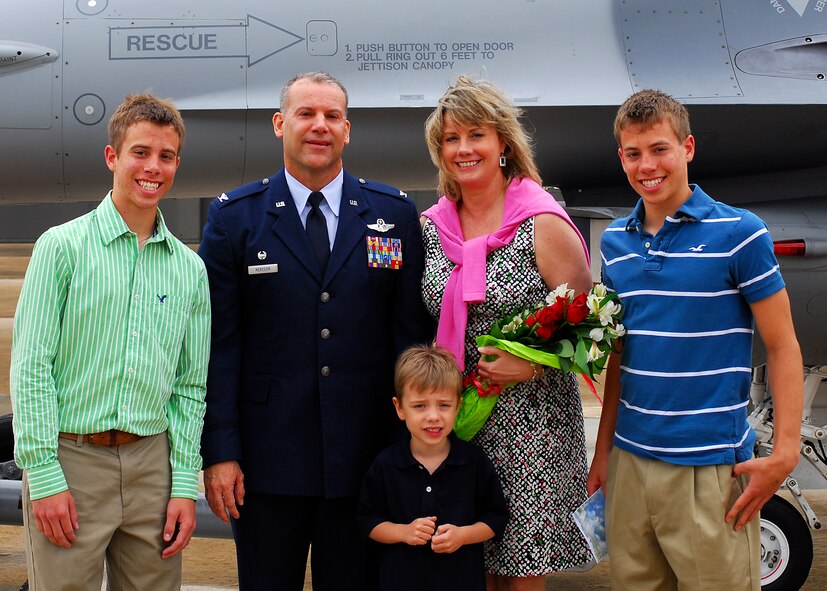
{"points": [[570, 333]]}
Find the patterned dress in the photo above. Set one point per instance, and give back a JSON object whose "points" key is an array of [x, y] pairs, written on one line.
{"points": [[534, 435]]}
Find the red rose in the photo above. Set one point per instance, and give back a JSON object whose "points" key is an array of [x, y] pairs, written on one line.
{"points": [[545, 331], [552, 314], [530, 321], [578, 310]]}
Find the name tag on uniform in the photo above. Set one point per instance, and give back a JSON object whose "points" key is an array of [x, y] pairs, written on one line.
{"points": [[262, 269], [384, 253]]}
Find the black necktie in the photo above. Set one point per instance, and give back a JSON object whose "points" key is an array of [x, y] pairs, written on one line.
{"points": [[317, 230]]}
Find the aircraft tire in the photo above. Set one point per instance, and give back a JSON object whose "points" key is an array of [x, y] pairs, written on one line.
{"points": [[6, 438], [786, 547]]}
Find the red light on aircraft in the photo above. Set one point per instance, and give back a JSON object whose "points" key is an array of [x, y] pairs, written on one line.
{"points": [[789, 248]]}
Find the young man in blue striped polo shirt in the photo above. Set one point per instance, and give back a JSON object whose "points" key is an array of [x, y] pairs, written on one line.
{"points": [[674, 448]]}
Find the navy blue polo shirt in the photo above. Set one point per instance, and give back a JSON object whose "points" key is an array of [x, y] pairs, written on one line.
{"points": [[686, 361], [462, 491]]}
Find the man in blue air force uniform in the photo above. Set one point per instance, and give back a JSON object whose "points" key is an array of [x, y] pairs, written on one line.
{"points": [[314, 276]]}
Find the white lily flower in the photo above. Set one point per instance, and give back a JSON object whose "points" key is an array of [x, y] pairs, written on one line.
{"points": [[620, 330], [596, 334], [599, 290], [606, 312], [593, 303], [594, 353], [562, 291]]}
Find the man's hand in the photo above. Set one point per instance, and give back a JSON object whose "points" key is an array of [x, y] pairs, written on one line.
{"points": [[56, 517], [597, 473], [420, 531], [224, 488], [765, 476], [179, 526]]}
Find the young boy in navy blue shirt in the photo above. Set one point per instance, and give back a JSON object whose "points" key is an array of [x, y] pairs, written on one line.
{"points": [[431, 500]]}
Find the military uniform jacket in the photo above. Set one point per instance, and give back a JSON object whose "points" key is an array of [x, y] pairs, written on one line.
{"points": [[301, 370]]}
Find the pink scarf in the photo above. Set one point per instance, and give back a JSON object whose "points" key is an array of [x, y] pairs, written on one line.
{"points": [[523, 199]]}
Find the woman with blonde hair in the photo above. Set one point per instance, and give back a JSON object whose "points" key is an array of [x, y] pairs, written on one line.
{"points": [[496, 241]]}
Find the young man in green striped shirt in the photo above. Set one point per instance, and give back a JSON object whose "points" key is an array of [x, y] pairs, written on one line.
{"points": [[109, 364]]}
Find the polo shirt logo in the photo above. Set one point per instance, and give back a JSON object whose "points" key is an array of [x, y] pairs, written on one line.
{"points": [[161, 298], [698, 248]]}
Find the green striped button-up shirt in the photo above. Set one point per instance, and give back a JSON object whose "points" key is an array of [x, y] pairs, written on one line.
{"points": [[108, 335]]}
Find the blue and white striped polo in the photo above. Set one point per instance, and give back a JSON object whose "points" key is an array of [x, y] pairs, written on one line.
{"points": [[685, 367]]}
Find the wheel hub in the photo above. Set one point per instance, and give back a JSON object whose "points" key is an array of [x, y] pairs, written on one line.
{"points": [[775, 552]]}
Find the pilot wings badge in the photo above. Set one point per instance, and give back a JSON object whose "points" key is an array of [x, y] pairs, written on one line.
{"points": [[381, 226]]}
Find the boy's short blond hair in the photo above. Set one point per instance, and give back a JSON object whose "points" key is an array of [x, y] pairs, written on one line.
{"points": [[427, 367], [144, 107], [649, 107]]}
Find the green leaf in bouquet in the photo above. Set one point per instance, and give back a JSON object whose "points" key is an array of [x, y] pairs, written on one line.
{"points": [[566, 348], [581, 357], [599, 364], [583, 330], [497, 332]]}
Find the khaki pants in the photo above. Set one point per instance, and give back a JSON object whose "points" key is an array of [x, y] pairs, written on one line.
{"points": [[121, 495], [665, 528]]}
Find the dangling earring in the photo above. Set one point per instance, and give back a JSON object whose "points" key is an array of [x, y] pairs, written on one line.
{"points": [[502, 160]]}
